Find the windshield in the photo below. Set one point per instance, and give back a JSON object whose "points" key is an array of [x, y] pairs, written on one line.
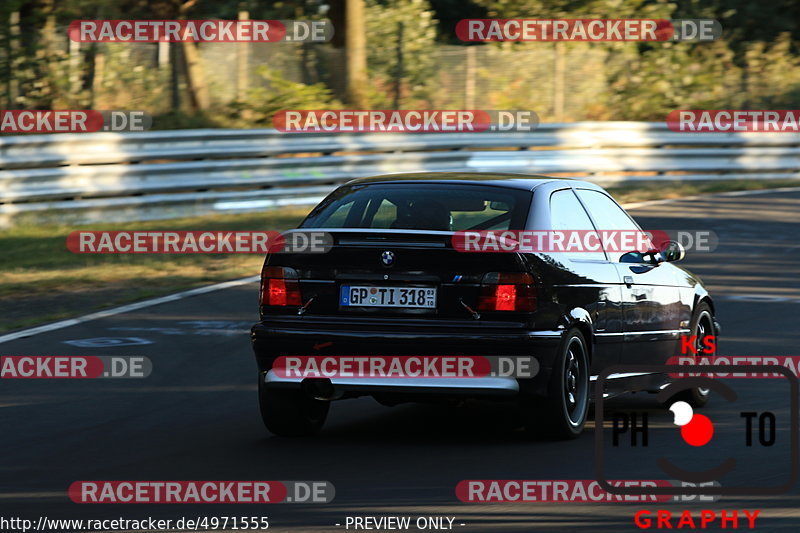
{"points": [[422, 206]]}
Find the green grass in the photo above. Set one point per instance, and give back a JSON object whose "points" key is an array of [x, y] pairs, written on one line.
{"points": [[642, 191], [41, 280]]}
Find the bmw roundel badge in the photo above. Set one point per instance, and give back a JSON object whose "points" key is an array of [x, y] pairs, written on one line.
{"points": [[387, 258]]}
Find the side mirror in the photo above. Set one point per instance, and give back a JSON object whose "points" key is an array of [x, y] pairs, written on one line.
{"points": [[673, 251], [651, 257]]}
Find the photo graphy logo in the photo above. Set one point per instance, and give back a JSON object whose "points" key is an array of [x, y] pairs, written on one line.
{"points": [[738, 435]]}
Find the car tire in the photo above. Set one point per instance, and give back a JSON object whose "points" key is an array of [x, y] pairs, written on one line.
{"points": [[290, 412], [562, 414], [702, 325]]}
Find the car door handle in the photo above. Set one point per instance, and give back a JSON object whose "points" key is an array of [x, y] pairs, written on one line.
{"points": [[628, 281]]}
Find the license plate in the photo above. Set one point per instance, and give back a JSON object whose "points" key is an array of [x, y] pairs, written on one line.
{"points": [[403, 297]]}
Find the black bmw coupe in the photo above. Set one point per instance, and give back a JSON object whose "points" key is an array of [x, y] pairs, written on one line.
{"points": [[394, 283]]}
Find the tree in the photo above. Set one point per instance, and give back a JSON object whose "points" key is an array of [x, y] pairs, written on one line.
{"points": [[356, 54], [402, 50]]}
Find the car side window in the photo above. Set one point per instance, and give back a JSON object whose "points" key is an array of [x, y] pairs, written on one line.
{"points": [[567, 214], [607, 215]]}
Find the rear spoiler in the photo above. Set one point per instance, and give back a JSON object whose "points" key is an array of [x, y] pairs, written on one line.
{"points": [[389, 237]]}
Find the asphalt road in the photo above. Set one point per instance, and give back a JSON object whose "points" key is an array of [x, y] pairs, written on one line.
{"points": [[196, 416]]}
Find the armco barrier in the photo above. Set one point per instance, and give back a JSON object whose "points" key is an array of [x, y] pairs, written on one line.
{"points": [[81, 178]]}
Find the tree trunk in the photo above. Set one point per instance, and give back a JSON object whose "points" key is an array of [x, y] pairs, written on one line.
{"points": [[195, 77], [356, 54]]}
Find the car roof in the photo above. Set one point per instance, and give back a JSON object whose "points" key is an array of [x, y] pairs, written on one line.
{"points": [[498, 179]]}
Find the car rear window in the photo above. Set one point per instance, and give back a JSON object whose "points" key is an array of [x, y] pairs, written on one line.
{"points": [[422, 206]]}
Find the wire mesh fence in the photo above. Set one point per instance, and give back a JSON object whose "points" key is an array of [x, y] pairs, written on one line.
{"points": [[559, 81]]}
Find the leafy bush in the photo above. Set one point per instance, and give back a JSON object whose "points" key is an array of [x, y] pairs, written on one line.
{"points": [[261, 103]]}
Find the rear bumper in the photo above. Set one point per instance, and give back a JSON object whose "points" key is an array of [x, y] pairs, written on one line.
{"points": [[483, 386], [274, 337]]}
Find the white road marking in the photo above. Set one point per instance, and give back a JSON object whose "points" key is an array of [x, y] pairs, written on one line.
{"points": [[126, 309]]}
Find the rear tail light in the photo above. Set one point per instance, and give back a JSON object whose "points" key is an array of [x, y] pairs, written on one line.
{"points": [[507, 291], [280, 287]]}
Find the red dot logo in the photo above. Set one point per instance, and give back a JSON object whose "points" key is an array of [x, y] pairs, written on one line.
{"points": [[696, 430]]}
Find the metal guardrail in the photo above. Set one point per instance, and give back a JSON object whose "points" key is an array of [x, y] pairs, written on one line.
{"points": [[81, 178]]}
